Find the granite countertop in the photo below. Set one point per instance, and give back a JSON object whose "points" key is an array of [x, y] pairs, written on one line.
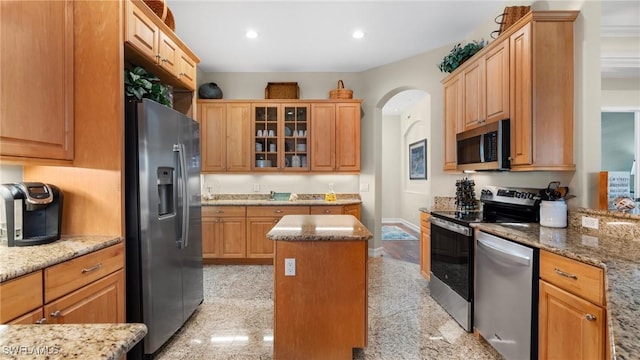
{"points": [[19, 260], [319, 228], [619, 257], [263, 200], [69, 341]]}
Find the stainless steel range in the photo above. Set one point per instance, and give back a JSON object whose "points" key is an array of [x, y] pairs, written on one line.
{"points": [[453, 245]]}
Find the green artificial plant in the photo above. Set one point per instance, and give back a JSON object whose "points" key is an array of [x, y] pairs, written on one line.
{"points": [[140, 83], [460, 54]]}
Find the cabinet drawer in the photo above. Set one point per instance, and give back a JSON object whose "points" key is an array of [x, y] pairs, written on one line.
{"points": [[583, 280], [223, 211], [273, 211], [73, 274], [326, 210], [19, 296]]}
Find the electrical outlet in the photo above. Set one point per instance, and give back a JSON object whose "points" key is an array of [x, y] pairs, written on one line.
{"points": [[589, 222], [364, 187], [256, 187], [289, 267]]}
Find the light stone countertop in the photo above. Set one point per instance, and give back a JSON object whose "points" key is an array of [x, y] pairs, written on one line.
{"points": [[319, 228], [19, 260], [69, 341], [619, 257]]}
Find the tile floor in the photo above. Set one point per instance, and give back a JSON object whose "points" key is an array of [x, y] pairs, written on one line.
{"points": [[236, 319]]}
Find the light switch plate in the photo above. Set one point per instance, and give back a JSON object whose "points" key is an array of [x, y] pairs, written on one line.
{"points": [[289, 267]]}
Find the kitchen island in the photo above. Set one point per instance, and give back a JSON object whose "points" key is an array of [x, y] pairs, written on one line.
{"points": [[320, 290]]}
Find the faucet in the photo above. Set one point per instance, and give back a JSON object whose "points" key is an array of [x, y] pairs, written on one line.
{"points": [[272, 195]]}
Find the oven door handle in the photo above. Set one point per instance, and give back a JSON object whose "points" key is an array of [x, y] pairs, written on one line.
{"points": [[463, 230], [503, 254]]}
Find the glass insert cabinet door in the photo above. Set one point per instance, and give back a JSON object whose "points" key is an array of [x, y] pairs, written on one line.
{"points": [[266, 129], [295, 137], [280, 134]]}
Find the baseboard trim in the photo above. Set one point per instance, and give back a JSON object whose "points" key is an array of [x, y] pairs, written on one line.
{"points": [[376, 252], [401, 221]]}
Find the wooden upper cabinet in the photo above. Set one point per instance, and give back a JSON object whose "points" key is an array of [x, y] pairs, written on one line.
{"points": [[37, 72], [323, 129], [521, 92], [496, 83], [452, 119], [348, 137], [156, 44], [225, 129], [473, 97], [525, 75], [335, 136], [541, 79]]}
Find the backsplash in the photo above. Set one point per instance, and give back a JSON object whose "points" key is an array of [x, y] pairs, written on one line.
{"points": [[444, 203], [616, 224]]}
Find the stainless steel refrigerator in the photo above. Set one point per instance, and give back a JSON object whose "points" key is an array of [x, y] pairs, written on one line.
{"points": [[163, 224]]}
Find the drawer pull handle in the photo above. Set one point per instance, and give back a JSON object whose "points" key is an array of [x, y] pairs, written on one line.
{"points": [[277, 211], [219, 211], [93, 268], [591, 317], [55, 314], [562, 273], [42, 321], [327, 211]]}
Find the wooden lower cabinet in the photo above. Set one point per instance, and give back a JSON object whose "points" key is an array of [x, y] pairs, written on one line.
{"points": [[260, 220], [569, 326], [19, 296], [223, 232], [99, 302], [425, 246], [86, 289], [30, 318], [353, 210], [258, 246]]}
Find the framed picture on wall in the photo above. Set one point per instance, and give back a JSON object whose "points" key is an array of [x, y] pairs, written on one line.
{"points": [[418, 160]]}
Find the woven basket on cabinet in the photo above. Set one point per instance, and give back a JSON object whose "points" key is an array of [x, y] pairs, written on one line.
{"points": [[340, 92], [160, 8], [512, 14]]}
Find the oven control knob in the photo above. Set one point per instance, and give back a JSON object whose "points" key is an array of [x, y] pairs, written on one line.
{"points": [[531, 196]]}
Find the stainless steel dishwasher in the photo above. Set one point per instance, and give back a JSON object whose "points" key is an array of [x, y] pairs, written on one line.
{"points": [[506, 296]]}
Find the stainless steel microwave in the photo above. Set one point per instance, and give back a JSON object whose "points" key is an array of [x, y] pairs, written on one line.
{"points": [[484, 148]]}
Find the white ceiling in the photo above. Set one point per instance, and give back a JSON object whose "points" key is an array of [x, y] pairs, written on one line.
{"points": [[315, 36]]}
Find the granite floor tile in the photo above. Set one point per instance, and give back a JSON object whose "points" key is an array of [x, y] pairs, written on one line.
{"points": [[236, 319]]}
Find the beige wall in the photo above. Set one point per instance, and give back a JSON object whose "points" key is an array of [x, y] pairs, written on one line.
{"points": [[391, 167], [621, 93]]}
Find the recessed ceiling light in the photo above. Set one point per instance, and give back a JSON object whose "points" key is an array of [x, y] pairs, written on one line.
{"points": [[358, 34], [251, 34]]}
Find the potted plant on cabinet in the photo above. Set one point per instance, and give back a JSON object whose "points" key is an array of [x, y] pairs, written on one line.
{"points": [[460, 54], [139, 83]]}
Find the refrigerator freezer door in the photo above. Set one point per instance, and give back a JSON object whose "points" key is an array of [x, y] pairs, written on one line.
{"points": [[161, 259], [192, 288]]}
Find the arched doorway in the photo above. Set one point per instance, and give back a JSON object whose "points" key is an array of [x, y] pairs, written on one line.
{"points": [[405, 120]]}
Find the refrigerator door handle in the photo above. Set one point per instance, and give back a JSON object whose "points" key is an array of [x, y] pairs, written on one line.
{"points": [[184, 240]]}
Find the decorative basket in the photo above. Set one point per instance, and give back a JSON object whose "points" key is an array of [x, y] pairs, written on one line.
{"points": [[160, 8], [341, 92], [510, 15]]}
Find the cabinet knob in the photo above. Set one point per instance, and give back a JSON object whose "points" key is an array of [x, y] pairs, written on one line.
{"points": [[327, 211], [158, 56], [55, 314], [42, 321], [591, 317], [277, 211], [164, 60]]}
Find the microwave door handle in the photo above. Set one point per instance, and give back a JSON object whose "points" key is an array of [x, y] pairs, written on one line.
{"points": [[481, 147]]}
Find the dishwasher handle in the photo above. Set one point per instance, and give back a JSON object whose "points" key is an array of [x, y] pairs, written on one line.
{"points": [[503, 254]]}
